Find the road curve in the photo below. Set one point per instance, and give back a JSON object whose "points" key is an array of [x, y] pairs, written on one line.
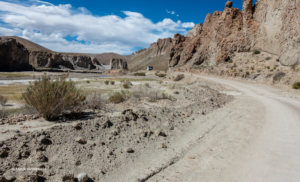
{"points": [[258, 141]]}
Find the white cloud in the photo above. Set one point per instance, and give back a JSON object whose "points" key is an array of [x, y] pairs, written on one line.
{"points": [[66, 29], [188, 25], [171, 12]]}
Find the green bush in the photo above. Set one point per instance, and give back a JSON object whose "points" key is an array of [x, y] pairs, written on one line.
{"points": [[139, 74], [51, 98], [256, 52], [126, 85], [179, 77], [112, 82], [161, 75], [106, 82], [119, 97], [3, 100], [116, 98], [296, 85]]}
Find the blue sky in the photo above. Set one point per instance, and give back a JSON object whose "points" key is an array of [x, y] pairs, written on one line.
{"points": [[102, 26]]}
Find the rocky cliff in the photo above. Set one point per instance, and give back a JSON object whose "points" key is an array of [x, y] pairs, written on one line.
{"points": [[13, 56], [116, 64], [156, 56], [268, 26]]}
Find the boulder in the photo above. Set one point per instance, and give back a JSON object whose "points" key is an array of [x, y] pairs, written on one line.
{"points": [[13, 56]]}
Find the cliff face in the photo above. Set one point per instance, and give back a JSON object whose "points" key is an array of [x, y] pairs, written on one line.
{"points": [[13, 56], [269, 26], [116, 63]]}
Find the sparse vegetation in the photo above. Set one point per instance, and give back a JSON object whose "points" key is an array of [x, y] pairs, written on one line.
{"points": [[116, 97], [256, 52], [126, 85], [268, 67], [252, 68], [3, 113], [296, 85], [106, 82], [161, 75], [112, 82], [139, 74], [95, 101], [88, 81], [51, 98], [179, 77], [147, 85], [3, 100], [160, 82], [241, 70]]}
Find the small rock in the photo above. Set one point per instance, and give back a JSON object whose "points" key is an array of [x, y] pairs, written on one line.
{"points": [[160, 133], [129, 150], [40, 157], [68, 177], [80, 140], [77, 126], [3, 153], [164, 146], [42, 139], [82, 177]]}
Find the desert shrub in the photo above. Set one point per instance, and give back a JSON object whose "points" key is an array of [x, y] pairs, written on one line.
{"points": [[147, 85], [293, 68], [3, 113], [95, 101], [241, 70], [230, 61], [252, 68], [296, 85], [256, 52], [116, 98], [112, 82], [258, 71], [3, 100], [88, 81], [268, 67], [271, 70], [106, 82], [126, 85], [160, 82], [51, 98], [179, 77], [161, 75], [139, 74]]}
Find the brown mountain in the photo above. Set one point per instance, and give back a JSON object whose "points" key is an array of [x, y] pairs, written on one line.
{"points": [[31, 46], [106, 57]]}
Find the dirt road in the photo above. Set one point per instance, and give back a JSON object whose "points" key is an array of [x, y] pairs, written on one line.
{"points": [[256, 138]]}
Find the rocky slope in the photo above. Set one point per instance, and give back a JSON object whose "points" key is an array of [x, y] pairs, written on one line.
{"points": [[268, 26], [154, 56]]}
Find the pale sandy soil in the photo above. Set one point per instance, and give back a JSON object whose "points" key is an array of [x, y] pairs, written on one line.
{"points": [[255, 138]]}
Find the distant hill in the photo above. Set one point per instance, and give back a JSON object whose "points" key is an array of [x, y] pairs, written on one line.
{"points": [[102, 58], [106, 57], [31, 46]]}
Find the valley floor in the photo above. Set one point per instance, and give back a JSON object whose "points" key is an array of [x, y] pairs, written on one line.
{"points": [[255, 138]]}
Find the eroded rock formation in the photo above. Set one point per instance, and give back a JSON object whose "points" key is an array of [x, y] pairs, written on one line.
{"points": [[269, 26], [116, 64], [13, 56]]}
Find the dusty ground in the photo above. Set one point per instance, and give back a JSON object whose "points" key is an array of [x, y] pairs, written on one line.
{"points": [[129, 141], [254, 138]]}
